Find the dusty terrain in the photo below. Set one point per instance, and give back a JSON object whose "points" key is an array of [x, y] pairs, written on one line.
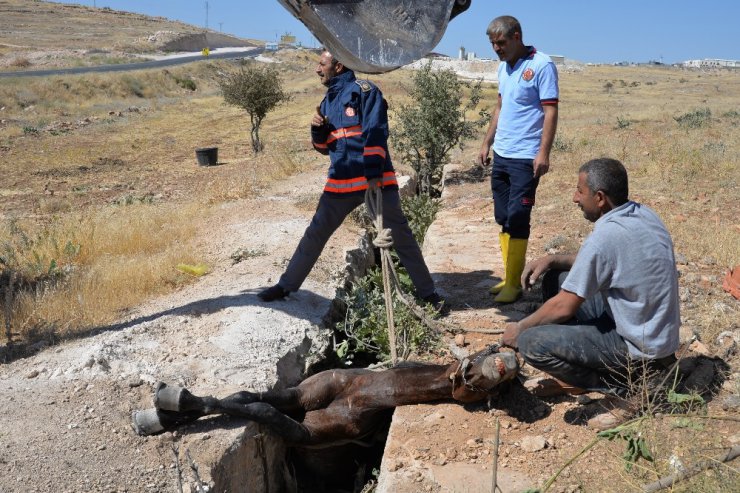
{"points": [[66, 410], [64, 417]]}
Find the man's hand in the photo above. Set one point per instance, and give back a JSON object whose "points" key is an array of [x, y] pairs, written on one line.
{"points": [[511, 334], [533, 270], [318, 119], [541, 164], [483, 156], [374, 183]]}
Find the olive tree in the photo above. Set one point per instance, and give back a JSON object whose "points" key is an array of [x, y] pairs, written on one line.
{"points": [[435, 122], [257, 90]]}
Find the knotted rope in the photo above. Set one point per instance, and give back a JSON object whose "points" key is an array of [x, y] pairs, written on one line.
{"points": [[384, 241]]}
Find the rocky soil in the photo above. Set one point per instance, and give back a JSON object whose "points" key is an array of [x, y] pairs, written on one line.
{"points": [[66, 410]]}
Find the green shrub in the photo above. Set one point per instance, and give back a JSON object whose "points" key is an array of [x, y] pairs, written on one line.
{"points": [[562, 144], [695, 119], [420, 210], [365, 324], [257, 90], [435, 122], [186, 83], [622, 123]]}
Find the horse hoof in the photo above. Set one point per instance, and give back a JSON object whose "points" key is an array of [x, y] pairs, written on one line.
{"points": [[146, 422], [167, 398]]}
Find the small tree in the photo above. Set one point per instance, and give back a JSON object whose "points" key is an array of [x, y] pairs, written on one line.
{"points": [[258, 90], [435, 122]]}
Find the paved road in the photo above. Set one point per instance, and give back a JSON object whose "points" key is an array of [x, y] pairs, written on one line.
{"points": [[123, 67]]}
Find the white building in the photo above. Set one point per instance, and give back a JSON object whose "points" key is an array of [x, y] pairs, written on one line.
{"points": [[712, 63], [558, 59]]}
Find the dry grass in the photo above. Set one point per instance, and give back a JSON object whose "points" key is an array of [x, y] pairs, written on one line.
{"points": [[84, 143], [127, 165], [83, 270], [46, 25]]}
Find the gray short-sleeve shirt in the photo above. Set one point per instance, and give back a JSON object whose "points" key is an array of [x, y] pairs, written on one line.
{"points": [[628, 260]]}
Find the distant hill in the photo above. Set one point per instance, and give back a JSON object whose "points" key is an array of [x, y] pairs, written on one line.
{"points": [[38, 33]]}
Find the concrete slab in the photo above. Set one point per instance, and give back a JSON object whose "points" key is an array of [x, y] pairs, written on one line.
{"points": [[462, 251]]}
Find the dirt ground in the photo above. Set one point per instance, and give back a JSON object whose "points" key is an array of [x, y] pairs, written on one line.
{"points": [[66, 410], [448, 447]]}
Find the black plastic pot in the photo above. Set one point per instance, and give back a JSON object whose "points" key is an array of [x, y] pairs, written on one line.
{"points": [[207, 156]]}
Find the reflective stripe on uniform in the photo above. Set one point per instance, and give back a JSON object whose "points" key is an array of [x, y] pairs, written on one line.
{"points": [[343, 133], [374, 151], [356, 184]]}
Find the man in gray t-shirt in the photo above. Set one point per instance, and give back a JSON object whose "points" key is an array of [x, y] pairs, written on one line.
{"points": [[613, 305]]}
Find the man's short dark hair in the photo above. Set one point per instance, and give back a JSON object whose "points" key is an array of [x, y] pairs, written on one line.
{"points": [[609, 176], [506, 25]]}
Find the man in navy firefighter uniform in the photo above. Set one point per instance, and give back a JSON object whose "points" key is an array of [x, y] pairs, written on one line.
{"points": [[351, 126]]}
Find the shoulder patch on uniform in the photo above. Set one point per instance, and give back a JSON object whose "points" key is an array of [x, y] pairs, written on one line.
{"points": [[364, 85]]}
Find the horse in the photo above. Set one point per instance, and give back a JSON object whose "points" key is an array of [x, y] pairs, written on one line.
{"points": [[337, 406]]}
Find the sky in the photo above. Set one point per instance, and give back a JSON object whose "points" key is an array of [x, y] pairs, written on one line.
{"points": [[593, 31]]}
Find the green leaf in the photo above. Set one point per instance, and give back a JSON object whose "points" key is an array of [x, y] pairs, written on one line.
{"points": [[342, 349], [688, 423], [675, 398], [644, 451], [52, 267]]}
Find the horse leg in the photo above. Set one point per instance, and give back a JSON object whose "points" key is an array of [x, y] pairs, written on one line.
{"points": [[180, 399], [261, 412], [176, 406], [153, 421]]}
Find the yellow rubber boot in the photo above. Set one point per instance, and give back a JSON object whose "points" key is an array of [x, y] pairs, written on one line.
{"points": [[515, 260], [503, 241]]}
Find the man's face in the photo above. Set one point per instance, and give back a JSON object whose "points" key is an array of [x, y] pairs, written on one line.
{"points": [[505, 48], [326, 70], [587, 201]]}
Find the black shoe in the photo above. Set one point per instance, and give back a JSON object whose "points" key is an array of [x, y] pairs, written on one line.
{"points": [[438, 303], [273, 293]]}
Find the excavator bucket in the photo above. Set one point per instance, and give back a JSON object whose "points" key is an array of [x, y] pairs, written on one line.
{"points": [[375, 36]]}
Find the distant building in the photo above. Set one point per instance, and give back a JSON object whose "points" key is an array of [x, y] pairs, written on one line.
{"points": [[470, 56], [558, 59], [712, 63], [287, 39], [271, 46], [461, 54]]}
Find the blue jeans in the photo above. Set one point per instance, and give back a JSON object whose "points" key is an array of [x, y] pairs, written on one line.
{"points": [[513, 187], [585, 352]]}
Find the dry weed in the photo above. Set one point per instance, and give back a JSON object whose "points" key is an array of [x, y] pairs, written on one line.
{"points": [[81, 271]]}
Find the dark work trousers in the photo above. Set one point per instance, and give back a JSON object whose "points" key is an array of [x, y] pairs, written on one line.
{"points": [[513, 186], [330, 214], [585, 352]]}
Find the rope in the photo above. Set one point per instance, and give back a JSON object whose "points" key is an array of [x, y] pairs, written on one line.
{"points": [[384, 241]]}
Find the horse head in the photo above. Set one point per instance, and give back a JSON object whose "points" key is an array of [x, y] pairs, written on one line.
{"points": [[477, 375]]}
